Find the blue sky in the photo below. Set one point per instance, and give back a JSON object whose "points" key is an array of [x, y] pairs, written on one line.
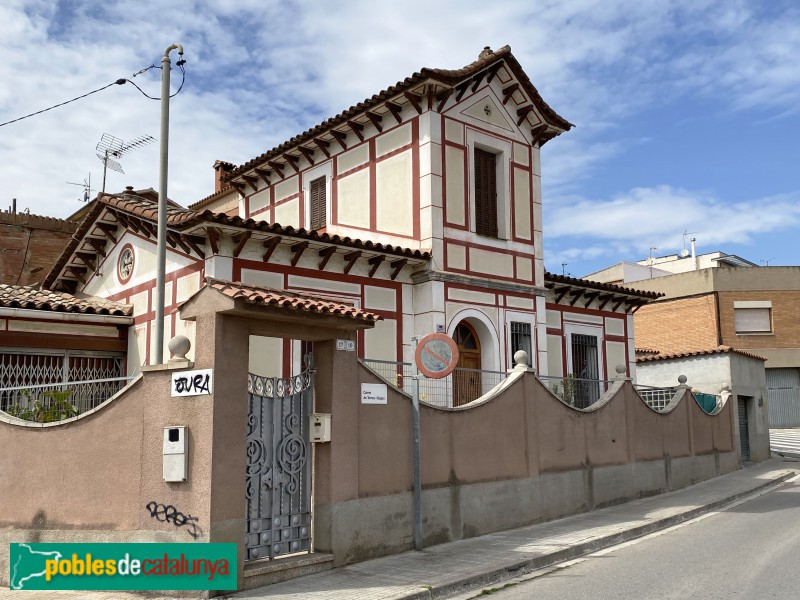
{"points": [[687, 112]]}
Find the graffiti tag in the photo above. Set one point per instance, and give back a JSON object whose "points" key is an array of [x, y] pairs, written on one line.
{"points": [[192, 383], [166, 513]]}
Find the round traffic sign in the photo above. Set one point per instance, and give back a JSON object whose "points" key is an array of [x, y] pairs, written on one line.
{"points": [[436, 355]]}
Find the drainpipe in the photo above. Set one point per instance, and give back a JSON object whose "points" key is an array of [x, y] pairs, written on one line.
{"points": [[161, 255], [694, 255]]}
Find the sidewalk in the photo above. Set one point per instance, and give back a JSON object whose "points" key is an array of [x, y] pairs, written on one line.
{"points": [[457, 566], [785, 442]]}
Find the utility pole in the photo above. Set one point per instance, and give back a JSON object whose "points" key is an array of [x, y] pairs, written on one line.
{"points": [[161, 255]]}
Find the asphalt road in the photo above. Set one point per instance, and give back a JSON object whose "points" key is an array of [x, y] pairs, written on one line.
{"points": [[748, 551]]}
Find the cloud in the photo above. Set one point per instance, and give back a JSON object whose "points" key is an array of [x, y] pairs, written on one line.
{"points": [[630, 223]]}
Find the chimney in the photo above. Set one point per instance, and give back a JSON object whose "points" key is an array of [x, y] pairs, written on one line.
{"points": [[487, 51], [221, 168], [694, 255]]}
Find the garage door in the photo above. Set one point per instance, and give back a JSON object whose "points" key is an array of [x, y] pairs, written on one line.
{"points": [[783, 390]]}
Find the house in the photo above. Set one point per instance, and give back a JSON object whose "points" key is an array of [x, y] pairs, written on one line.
{"points": [[422, 203]]}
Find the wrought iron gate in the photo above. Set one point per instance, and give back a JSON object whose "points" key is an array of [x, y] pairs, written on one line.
{"points": [[585, 368], [278, 482]]}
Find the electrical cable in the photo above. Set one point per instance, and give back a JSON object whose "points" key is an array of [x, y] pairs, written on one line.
{"points": [[120, 81]]}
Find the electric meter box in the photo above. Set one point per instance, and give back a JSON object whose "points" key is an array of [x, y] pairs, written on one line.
{"points": [[319, 424], [176, 453]]}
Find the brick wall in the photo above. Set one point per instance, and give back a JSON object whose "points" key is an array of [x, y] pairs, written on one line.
{"points": [[30, 245], [785, 320], [678, 325]]}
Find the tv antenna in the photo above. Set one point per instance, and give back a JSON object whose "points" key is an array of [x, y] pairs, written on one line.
{"points": [[110, 148], [87, 187]]}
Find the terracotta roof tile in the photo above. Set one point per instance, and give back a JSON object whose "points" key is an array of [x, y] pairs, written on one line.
{"points": [[18, 296], [253, 294], [445, 76], [596, 285], [690, 353]]}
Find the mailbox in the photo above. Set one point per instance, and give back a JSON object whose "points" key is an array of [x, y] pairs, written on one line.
{"points": [[319, 424], [176, 453]]}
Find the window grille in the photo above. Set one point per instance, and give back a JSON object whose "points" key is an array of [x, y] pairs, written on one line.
{"points": [[317, 204], [485, 193], [585, 368], [521, 340]]}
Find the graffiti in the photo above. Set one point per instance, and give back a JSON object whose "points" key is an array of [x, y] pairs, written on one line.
{"points": [[166, 513], [197, 384]]}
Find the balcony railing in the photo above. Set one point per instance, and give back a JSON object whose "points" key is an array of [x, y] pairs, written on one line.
{"points": [[462, 387], [576, 392], [52, 402]]}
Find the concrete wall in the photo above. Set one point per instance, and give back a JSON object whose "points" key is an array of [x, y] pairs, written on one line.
{"points": [[519, 458]]}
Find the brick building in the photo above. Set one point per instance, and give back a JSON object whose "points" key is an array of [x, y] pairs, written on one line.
{"points": [[31, 244], [747, 308]]}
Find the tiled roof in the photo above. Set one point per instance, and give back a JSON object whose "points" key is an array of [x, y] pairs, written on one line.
{"points": [[445, 76], [646, 351], [18, 296], [596, 285], [690, 353], [144, 205], [253, 294]]}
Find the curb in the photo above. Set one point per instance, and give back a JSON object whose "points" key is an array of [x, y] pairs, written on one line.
{"points": [[572, 552]]}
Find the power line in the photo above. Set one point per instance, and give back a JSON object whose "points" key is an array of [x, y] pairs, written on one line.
{"points": [[120, 81]]}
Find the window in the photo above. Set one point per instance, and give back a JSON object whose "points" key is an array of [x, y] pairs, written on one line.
{"points": [[485, 193], [521, 340], [317, 201], [752, 319]]}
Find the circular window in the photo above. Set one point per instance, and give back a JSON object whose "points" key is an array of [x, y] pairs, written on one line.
{"points": [[125, 264]]}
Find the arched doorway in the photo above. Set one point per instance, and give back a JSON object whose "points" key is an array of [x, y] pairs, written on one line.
{"points": [[467, 377]]}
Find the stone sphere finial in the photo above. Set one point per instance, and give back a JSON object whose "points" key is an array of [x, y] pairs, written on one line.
{"points": [[620, 369], [179, 346], [521, 358], [682, 379]]}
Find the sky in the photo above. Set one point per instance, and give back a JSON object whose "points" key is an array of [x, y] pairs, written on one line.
{"points": [[687, 112]]}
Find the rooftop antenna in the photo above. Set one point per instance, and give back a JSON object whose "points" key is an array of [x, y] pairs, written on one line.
{"points": [[110, 148], [686, 233], [87, 187], [766, 261]]}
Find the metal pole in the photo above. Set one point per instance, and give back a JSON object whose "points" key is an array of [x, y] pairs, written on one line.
{"points": [[415, 444], [161, 255]]}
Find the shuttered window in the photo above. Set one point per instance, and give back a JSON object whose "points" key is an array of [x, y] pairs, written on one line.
{"points": [[485, 193], [317, 204], [752, 320]]}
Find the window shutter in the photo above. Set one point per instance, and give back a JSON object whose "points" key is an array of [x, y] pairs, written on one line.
{"points": [[752, 320], [485, 193], [317, 203]]}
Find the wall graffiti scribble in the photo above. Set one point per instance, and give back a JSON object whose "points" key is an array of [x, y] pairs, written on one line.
{"points": [[167, 513]]}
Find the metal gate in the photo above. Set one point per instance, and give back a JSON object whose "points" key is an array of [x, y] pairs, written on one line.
{"points": [[278, 482], [783, 393], [744, 428], [585, 367]]}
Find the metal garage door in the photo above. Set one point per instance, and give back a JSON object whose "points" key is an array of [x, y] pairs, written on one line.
{"points": [[744, 429], [783, 393]]}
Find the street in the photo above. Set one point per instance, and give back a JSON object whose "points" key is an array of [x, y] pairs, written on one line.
{"points": [[749, 551]]}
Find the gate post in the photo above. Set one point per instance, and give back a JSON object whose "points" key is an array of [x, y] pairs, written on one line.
{"points": [[336, 463]]}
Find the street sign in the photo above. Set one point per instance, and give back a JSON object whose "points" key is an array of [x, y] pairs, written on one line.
{"points": [[436, 355]]}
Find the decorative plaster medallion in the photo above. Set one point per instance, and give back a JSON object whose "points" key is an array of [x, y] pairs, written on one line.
{"points": [[125, 264]]}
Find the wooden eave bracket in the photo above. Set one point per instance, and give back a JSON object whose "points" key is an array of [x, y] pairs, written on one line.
{"points": [[293, 161], [351, 258], [415, 100], [562, 291], [241, 241], [357, 128], [308, 153], [477, 79], [508, 92], [522, 113], [264, 174], [375, 262], [277, 167], [577, 294], [252, 180], [240, 186], [195, 243], [397, 266], [375, 119], [298, 248], [603, 300], [462, 88], [325, 254], [590, 296], [492, 71], [396, 111], [269, 246], [213, 239], [89, 259], [537, 132], [442, 97], [98, 245], [341, 137], [109, 230], [323, 145], [78, 272], [619, 303]]}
